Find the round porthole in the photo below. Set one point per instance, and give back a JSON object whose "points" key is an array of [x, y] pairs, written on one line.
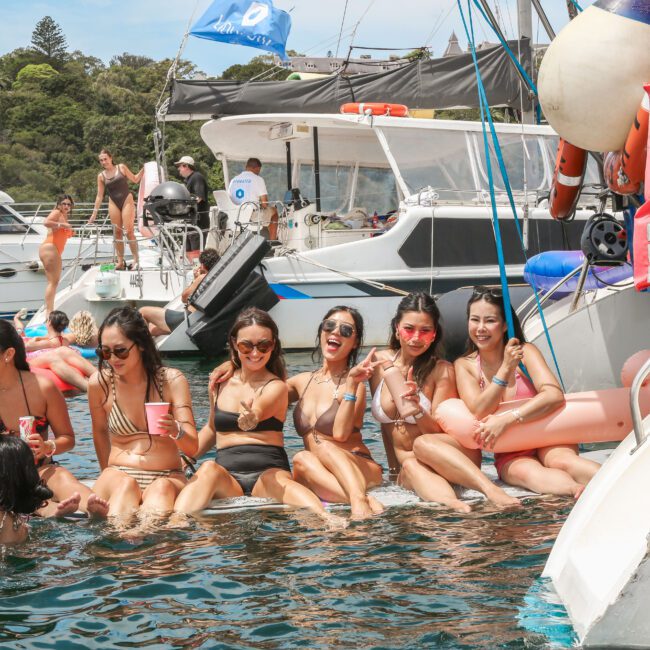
{"points": [[7, 273]]}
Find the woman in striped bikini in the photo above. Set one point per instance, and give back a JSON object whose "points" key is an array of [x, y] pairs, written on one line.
{"points": [[140, 470]]}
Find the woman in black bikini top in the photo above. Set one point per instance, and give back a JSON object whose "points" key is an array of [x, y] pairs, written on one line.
{"points": [[24, 394], [113, 180], [246, 417]]}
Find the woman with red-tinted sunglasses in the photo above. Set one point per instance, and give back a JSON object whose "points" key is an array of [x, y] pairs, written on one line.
{"points": [[247, 413], [426, 460], [141, 467]]}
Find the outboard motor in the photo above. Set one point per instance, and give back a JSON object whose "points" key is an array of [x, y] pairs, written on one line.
{"points": [[170, 201], [604, 240]]}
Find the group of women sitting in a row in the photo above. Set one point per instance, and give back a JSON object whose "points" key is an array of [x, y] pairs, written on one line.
{"points": [[249, 399]]}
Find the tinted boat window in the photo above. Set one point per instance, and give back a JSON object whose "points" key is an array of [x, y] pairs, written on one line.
{"points": [[9, 223]]}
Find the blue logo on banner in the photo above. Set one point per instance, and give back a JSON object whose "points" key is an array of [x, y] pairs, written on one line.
{"points": [[634, 9], [255, 23]]}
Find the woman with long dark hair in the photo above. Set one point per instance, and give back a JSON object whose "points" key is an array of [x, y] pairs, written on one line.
{"points": [[426, 464], [140, 468], [59, 231], [247, 413], [22, 491], [489, 374], [25, 395]]}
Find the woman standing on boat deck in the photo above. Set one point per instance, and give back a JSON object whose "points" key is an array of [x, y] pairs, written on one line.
{"points": [[51, 250], [23, 394], [113, 179], [427, 464], [488, 374], [247, 413], [140, 469]]}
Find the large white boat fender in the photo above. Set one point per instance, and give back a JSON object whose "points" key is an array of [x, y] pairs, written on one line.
{"points": [[591, 78], [107, 282], [625, 169], [570, 166], [150, 180]]}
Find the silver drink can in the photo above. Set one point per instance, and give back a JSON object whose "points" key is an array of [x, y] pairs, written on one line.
{"points": [[26, 426]]}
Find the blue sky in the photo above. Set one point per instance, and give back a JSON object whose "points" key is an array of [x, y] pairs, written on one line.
{"points": [[154, 28]]}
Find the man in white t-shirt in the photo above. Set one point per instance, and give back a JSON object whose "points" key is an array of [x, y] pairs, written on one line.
{"points": [[250, 186]]}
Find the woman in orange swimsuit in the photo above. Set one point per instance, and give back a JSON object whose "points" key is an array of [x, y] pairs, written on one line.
{"points": [[114, 180], [489, 374], [51, 250], [140, 469]]}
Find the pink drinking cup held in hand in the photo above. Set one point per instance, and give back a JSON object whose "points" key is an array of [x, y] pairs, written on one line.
{"points": [[154, 411]]}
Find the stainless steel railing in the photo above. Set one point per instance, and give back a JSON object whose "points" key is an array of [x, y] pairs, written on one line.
{"points": [[640, 434]]}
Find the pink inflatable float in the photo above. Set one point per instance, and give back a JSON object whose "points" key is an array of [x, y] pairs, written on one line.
{"points": [[592, 416], [63, 386]]}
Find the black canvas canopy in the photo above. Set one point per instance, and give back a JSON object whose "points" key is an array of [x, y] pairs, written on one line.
{"points": [[449, 82]]}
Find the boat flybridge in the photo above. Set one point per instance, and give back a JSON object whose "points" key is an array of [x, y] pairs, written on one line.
{"points": [[22, 277], [377, 206]]}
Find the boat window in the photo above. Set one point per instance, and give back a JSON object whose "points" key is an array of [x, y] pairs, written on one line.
{"points": [[436, 158], [274, 175], [376, 190], [9, 223], [520, 153], [334, 185]]}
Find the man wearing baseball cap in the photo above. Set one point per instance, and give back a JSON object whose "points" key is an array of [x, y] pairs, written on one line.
{"points": [[196, 184]]}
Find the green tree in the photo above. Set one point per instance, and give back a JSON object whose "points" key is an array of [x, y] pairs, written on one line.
{"points": [[48, 39], [33, 74]]}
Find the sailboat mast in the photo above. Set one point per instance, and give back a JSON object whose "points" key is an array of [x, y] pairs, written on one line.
{"points": [[525, 28]]}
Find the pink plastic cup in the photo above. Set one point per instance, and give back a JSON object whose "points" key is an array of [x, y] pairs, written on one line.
{"points": [[155, 410]]}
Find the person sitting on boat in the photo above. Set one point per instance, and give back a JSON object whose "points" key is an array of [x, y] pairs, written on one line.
{"points": [[427, 461], [51, 250], [23, 394], [198, 187], [489, 373], [53, 352], [249, 187], [247, 414], [141, 468], [331, 401], [23, 493], [114, 180], [163, 321]]}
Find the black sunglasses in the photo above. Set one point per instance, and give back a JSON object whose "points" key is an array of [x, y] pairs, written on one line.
{"points": [[486, 291], [246, 347], [345, 329], [105, 353]]}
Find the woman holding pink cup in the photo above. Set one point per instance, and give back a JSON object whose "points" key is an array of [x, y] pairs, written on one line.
{"points": [[141, 417]]}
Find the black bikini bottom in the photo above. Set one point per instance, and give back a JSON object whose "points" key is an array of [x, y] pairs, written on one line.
{"points": [[246, 463]]}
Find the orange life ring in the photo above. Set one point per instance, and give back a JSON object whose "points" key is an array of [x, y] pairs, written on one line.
{"points": [[625, 169], [570, 165], [374, 108]]}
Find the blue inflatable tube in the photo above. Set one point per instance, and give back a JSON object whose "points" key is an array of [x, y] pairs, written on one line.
{"points": [[41, 330], [545, 270]]}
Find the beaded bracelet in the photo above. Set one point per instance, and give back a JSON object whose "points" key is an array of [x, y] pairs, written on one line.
{"points": [[349, 397], [499, 382]]}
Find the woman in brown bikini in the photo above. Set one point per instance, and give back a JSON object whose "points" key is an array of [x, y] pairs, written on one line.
{"points": [[113, 179]]}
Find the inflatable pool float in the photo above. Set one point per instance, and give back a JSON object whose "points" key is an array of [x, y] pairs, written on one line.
{"points": [[41, 330], [63, 386]]}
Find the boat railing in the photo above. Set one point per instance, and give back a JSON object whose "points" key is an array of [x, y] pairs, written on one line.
{"points": [[524, 315], [640, 434]]}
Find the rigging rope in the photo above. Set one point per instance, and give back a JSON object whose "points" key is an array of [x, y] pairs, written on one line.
{"points": [[345, 11]]}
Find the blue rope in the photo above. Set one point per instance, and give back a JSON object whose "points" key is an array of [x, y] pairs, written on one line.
{"points": [[576, 5], [484, 108], [510, 53]]}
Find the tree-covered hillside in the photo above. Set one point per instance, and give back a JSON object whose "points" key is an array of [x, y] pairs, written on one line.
{"points": [[58, 109]]}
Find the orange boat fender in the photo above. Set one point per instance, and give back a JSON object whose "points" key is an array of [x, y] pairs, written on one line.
{"points": [[570, 165], [375, 108], [592, 416], [63, 386], [625, 169]]}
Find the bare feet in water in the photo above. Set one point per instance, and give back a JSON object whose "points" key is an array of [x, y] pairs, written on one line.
{"points": [[377, 506], [68, 506], [361, 508], [97, 507], [501, 499]]}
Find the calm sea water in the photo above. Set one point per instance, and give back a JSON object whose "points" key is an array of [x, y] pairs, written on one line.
{"points": [[414, 577]]}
